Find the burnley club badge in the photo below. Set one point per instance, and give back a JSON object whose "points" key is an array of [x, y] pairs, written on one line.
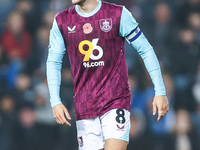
{"points": [[106, 24]]}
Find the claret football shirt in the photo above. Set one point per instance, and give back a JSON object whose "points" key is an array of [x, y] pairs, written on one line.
{"points": [[94, 43]]}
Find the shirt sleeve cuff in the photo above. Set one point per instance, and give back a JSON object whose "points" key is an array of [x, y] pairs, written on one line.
{"points": [[55, 102]]}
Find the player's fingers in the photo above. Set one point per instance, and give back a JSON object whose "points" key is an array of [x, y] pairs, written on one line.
{"points": [[165, 109], [59, 113], [67, 123], [159, 117], [162, 111], [154, 108], [161, 114], [67, 114], [57, 118], [64, 120]]}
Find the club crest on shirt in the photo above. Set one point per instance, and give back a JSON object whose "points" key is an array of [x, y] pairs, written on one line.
{"points": [[105, 24], [87, 28]]}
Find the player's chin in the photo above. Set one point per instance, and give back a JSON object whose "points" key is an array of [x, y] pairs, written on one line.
{"points": [[78, 2]]}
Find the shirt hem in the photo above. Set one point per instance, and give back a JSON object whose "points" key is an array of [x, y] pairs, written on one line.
{"points": [[87, 116]]}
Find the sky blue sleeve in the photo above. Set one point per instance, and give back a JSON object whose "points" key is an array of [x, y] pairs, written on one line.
{"points": [[148, 55], [127, 23], [54, 63], [130, 30]]}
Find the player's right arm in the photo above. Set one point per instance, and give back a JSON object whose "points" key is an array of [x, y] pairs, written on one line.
{"points": [[54, 65]]}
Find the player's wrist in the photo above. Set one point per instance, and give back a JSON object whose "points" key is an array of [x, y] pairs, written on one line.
{"points": [[55, 102], [160, 93]]}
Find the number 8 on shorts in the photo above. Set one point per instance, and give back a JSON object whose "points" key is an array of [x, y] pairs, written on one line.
{"points": [[120, 116]]}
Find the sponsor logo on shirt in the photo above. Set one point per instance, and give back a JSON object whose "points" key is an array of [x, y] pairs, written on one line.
{"points": [[91, 51], [71, 30], [93, 64], [105, 24]]}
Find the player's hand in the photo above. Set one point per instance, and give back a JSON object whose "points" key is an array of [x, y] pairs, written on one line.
{"points": [[160, 104], [61, 114]]}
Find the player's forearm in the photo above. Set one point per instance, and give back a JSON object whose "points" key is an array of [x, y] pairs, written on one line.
{"points": [[147, 53], [54, 65]]}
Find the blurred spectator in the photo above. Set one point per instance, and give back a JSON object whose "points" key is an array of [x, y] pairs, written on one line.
{"points": [[16, 41], [184, 68], [3, 70], [184, 11], [138, 132], [31, 13], [23, 91], [27, 135], [194, 21], [59, 5], [3, 58], [7, 122], [42, 6], [47, 18], [147, 7], [43, 110], [194, 24], [5, 7], [31, 135], [5, 136], [196, 87], [184, 135], [196, 93], [161, 32], [8, 106], [136, 12], [187, 48], [36, 63]]}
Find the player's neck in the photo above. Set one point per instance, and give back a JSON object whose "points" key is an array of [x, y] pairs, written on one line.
{"points": [[88, 6]]}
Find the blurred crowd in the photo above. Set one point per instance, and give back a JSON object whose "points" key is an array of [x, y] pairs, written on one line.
{"points": [[26, 119]]}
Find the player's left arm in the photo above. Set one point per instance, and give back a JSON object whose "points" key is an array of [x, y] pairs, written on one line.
{"points": [[130, 30]]}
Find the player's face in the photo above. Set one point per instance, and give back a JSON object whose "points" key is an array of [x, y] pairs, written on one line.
{"points": [[78, 2]]}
